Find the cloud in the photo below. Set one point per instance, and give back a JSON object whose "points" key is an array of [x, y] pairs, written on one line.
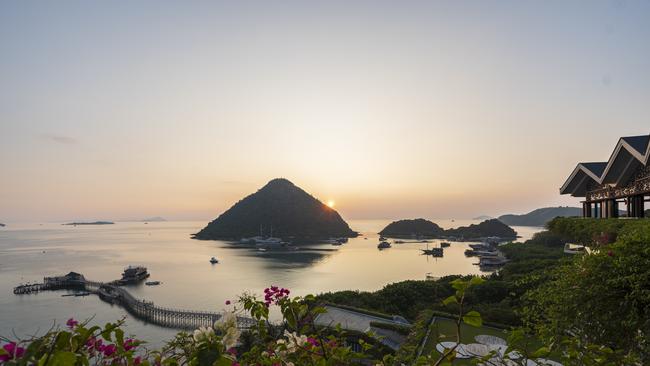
{"points": [[60, 139]]}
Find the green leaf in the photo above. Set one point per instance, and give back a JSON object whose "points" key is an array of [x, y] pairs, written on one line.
{"points": [[475, 281], [458, 284], [119, 337], [223, 361], [450, 300], [541, 352], [62, 358], [473, 318]]}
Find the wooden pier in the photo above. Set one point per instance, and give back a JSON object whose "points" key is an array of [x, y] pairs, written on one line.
{"points": [[141, 309]]}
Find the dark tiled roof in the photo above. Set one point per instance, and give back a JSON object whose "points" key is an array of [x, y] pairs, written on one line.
{"points": [[639, 143], [596, 168]]}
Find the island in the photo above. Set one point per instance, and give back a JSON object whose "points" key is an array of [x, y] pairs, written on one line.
{"points": [[279, 209], [90, 223], [486, 229], [421, 228], [540, 216], [412, 228], [2, 225], [154, 219], [482, 218]]}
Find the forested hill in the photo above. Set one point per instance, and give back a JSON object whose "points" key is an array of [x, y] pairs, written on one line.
{"points": [[486, 228], [540, 216], [415, 227], [428, 229], [280, 209]]}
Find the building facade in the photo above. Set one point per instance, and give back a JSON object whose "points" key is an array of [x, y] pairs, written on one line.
{"points": [[617, 187]]}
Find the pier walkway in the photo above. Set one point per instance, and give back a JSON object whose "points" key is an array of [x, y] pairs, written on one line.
{"points": [[141, 309]]}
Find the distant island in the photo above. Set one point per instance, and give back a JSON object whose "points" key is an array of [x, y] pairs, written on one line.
{"points": [[412, 228], [2, 225], [90, 223], [540, 216], [422, 228], [279, 209], [154, 219], [483, 217]]}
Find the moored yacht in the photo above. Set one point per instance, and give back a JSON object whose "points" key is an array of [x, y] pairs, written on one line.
{"points": [[214, 260]]}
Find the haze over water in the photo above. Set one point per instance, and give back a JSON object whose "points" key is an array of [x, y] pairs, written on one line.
{"points": [[28, 252]]}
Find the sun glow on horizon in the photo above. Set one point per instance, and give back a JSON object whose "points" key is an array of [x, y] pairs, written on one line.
{"points": [[331, 203]]}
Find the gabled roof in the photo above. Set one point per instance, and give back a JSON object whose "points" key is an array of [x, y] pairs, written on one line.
{"points": [[639, 143], [630, 153]]}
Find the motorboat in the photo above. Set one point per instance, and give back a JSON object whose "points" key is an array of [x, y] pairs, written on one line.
{"points": [[214, 260], [445, 244], [152, 283]]}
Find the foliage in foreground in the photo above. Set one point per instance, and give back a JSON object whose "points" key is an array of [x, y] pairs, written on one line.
{"points": [[296, 341], [594, 309]]}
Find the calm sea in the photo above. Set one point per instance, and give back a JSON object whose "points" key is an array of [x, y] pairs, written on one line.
{"points": [[28, 252]]}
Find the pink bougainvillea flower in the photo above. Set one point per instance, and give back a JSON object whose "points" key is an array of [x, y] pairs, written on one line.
{"points": [[110, 350], [13, 352], [274, 294], [227, 302], [71, 323], [129, 344], [137, 360]]}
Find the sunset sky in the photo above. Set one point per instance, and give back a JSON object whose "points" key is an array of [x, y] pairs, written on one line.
{"points": [[438, 109]]}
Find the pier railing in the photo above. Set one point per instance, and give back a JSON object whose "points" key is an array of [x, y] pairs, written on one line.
{"points": [[141, 309]]}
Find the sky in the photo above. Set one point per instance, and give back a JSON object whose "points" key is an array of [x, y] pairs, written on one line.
{"points": [[392, 109]]}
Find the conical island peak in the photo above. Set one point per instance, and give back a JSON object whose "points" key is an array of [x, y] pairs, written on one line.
{"points": [[280, 209]]}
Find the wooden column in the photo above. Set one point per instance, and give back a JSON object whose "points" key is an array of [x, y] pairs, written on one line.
{"points": [[612, 208], [586, 209], [641, 205]]}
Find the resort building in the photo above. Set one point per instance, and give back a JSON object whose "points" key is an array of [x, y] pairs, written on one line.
{"points": [[621, 183]]}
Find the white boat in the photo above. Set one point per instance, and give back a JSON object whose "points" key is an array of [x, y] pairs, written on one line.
{"points": [[480, 246], [574, 248], [214, 260], [491, 262], [430, 277]]}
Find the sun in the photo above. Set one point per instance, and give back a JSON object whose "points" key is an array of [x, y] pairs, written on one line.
{"points": [[331, 203]]}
